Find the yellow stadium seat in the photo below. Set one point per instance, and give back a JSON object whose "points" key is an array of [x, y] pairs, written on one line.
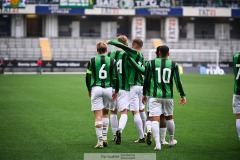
{"points": [[157, 42], [45, 49]]}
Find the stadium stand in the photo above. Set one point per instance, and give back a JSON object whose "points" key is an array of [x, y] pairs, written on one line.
{"points": [[84, 48]]}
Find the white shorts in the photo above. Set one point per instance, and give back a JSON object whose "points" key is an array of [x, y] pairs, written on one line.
{"points": [[100, 97], [136, 98], [236, 104], [158, 106], [112, 106], [123, 100]]}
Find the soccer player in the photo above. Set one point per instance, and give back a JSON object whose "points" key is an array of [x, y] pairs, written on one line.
{"points": [[158, 82], [122, 102], [148, 126], [100, 77], [236, 95], [135, 82]]}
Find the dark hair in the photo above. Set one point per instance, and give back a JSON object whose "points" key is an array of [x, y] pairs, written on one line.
{"points": [[163, 50], [139, 42]]}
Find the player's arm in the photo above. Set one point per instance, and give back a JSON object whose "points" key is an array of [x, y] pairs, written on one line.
{"points": [[136, 66], [179, 85], [115, 80], [88, 77], [146, 82], [130, 51], [147, 79]]}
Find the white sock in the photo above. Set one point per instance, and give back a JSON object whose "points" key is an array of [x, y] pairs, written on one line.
{"points": [[171, 129], [123, 121], [155, 130], [144, 118], [105, 128], [99, 130], [238, 127], [163, 132], [114, 123], [138, 124], [149, 126]]}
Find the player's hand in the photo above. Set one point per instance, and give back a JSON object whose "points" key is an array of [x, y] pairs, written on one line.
{"points": [[183, 101], [107, 41], [144, 98], [89, 94], [114, 97]]}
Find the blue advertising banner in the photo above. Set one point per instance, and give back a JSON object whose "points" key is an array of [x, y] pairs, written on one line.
{"points": [[160, 11], [54, 9], [235, 12]]}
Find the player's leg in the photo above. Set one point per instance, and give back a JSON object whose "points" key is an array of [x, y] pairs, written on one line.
{"points": [[142, 110], [236, 110], [149, 129], [97, 106], [155, 110], [134, 107], [99, 128], [168, 111], [107, 95], [114, 123], [163, 129], [155, 131], [171, 130], [143, 118], [105, 121], [148, 123], [238, 124], [123, 106], [123, 119], [138, 124], [122, 123]]}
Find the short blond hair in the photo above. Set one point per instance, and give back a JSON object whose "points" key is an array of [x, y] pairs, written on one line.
{"points": [[123, 39], [101, 47]]}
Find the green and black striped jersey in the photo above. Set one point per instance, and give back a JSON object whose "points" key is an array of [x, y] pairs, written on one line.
{"points": [[135, 77], [159, 75], [102, 71], [122, 68], [236, 68]]}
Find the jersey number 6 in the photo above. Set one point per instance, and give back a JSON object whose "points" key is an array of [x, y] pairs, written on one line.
{"points": [[102, 73]]}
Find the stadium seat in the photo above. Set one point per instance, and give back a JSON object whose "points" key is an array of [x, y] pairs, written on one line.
{"points": [[157, 42], [45, 49]]}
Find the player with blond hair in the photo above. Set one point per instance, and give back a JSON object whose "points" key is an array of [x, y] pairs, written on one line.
{"points": [[101, 76]]}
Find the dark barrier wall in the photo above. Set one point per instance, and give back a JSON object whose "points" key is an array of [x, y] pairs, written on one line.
{"points": [[53, 64], [187, 67]]}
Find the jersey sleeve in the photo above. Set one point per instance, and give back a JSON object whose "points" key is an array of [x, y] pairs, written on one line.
{"points": [[115, 77], [88, 76], [130, 51], [147, 79], [178, 81], [136, 66]]}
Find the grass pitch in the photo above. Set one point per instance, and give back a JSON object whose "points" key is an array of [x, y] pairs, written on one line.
{"points": [[49, 117]]}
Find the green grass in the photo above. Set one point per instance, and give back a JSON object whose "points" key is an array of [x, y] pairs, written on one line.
{"points": [[49, 117]]}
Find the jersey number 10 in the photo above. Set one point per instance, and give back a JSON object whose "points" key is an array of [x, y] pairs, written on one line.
{"points": [[166, 75]]}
